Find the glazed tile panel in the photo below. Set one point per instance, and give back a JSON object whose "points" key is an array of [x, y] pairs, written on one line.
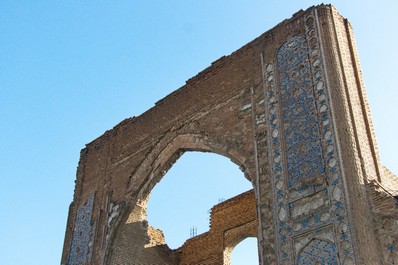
{"points": [[308, 191], [299, 119], [319, 252], [81, 247]]}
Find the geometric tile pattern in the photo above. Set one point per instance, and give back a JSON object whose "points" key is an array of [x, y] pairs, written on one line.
{"points": [[330, 149], [303, 152], [299, 115], [318, 252], [82, 238]]}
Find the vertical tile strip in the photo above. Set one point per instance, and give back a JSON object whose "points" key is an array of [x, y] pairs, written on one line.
{"points": [[82, 239], [303, 153]]}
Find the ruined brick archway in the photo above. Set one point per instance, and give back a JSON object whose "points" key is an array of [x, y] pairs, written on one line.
{"points": [[245, 228], [134, 238], [290, 109], [230, 222], [159, 161], [230, 251]]}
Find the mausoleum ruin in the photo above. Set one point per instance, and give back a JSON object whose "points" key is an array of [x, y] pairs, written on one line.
{"points": [[290, 109]]}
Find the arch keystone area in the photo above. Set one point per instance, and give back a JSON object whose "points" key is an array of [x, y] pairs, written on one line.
{"points": [[290, 109], [159, 161]]}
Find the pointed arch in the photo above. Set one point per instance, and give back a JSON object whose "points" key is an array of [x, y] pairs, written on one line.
{"points": [[318, 251], [160, 160], [155, 165]]}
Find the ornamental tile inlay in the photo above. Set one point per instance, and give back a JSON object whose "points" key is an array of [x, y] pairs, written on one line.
{"points": [[318, 252], [82, 238], [306, 175]]}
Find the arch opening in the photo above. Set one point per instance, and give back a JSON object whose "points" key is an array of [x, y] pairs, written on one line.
{"points": [[136, 238], [180, 203], [244, 253]]}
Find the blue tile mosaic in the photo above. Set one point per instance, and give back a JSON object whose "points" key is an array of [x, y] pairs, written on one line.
{"points": [[82, 237], [299, 115], [303, 151], [318, 252]]}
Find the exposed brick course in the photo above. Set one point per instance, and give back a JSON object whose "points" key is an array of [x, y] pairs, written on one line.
{"points": [[230, 222]]}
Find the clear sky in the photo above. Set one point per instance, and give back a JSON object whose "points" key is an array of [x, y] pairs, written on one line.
{"points": [[70, 70]]}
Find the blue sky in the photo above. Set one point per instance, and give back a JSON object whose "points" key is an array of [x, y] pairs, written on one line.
{"points": [[70, 70]]}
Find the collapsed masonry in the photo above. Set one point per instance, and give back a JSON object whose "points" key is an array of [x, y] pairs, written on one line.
{"points": [[290, 109], [230, 222]]}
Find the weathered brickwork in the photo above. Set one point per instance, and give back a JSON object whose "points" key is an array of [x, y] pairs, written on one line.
{"points": [[230, 222], [290, 109]]}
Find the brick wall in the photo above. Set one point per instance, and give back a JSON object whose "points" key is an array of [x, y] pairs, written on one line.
{"points": [[230, 222]]}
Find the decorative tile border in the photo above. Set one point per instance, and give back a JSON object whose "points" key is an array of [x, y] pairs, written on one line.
{"points": [[82, 239], [307, 181], [280, 197], [334, 173]]}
